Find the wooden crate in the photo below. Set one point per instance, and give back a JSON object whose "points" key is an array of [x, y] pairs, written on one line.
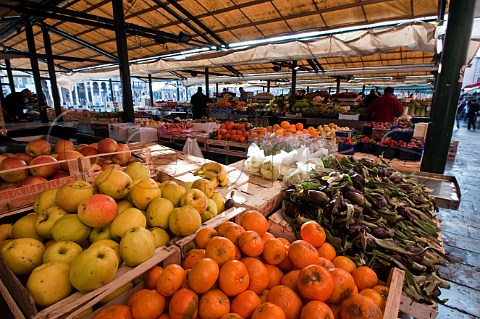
{"points": [[78, 301], [220, 146], [165, 138], [178, 165], [239, 149], [264, 198]]}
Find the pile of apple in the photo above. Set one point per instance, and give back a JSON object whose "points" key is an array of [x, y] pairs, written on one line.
{"points": [[80, 233], [43, 165]]}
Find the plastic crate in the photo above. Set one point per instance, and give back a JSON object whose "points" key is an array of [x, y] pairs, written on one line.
{"points": [[367, 148], [347, 149], [367, 130], [401, 134], [385, 151], [410, 154]]}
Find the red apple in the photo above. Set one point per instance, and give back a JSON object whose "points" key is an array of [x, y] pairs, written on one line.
{"points": [[68, 155], [97, 210], [63, 145], [107, 145], [38, 147], [31, 180], [48, 169], [94, 145], [110, 165], [7, 154], [88, 151], [60, 174], [23, 156], [80, 146], [13, 163], [122, 158]]}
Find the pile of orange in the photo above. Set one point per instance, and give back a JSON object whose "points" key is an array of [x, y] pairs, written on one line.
{"points": [[287, 129], [242, 271], [231, 131]]}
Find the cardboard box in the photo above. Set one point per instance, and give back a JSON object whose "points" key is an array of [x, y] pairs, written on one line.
{"points": [[142, 134], [119, 131]]}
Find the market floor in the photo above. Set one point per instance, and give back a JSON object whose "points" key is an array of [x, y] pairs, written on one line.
{"points": [[461, 231]]}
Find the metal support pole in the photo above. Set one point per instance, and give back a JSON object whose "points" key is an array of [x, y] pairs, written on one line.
{"points": [[294, 82], [207, 84], [35, 70], [363, 90], [178, 91], [1, 92], [447, 88], [122, 49], [338, 85], [308, 89], [110, 85], [216, 88], [268, 86], [51, 72], [150, 89], [10, 75]]}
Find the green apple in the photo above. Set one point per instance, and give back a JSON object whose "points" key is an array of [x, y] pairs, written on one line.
{"points": [[25, 227], [109, 243], [144, 192], [173, 192], [131, 217], [44, 200], [122, 205], [70, 195], [185, 220], [49, 283], [160, 235], [137, 170], [137, 245], [62, 251], [220, 201], [70, 227], [99, 233], [114, 183], [210, 212], [205, 186], [46, 218], [188, 185], [93, 268], [5, 231], [195, 198], [158, 211], [22, 255], [120, 291]]}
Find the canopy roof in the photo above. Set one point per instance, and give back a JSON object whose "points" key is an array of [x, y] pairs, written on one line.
{"points": [[85, 29]]}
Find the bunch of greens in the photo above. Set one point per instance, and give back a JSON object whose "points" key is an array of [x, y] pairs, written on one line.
{"points": [[376, 216]]}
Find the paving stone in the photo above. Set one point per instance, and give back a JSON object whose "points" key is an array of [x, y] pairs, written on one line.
{"points": [[471, 258], [462, 298], [445, 312], [455, 252], [461, 274], [474, 232], [463, 242], [453, 227]]}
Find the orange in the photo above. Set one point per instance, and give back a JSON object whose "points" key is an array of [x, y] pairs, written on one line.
{"points": [[150, 278], [250, 243], [274, 251], [136, 295], [193, 255], [360, 307], [231, 232], [290, 279], [324, 262], [203, 275], [203, 236], [245, 303], [365, 277], [287, 300], [316, 309], [344, 285], [299, 126], [268, 310], [148, 306], [231, 315], [184, 304], [170, 280], [383, 291], [267, 236], [220, 249], [275, 276], [114, 312], [315, 283], [258, 274], [284, 124], [313, 233], [302, 254], [233, 278], [286, 265], [213, 304], [344, 263], [376, 297], [327, 251]]}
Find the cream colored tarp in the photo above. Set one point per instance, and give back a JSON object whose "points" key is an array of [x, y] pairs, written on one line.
{"points": [[415, 36]]}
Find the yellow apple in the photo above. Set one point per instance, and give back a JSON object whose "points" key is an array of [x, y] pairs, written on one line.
{"points": [[114, 183], [210, 212], [46, 219], [70, 195], [188, 185], [62, 251], [5, 231], [158, 211], [160, 235], [137, 245], [195, 198], [25, 227], [144, 192], [122, 205], [173, 192], [99, 233], [44, 200], [22, 255], [70, 227], [137, 170], [205, 186], [185, 220], [220, 201], [131, 217], [109, 243], [49, 283]]}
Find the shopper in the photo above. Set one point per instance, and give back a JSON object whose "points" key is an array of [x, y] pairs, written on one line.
{"points": [[199, 104], [243, 95], [372, 96], [13, 105], [472, 113], [460, 111], [385, 108]]}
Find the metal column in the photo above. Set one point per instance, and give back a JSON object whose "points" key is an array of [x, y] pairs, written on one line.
{"points": [[51, 72], [150, 89], [216, 89], [178, 91], [110, 86], [294, 82], [10, 75], [268, 86], [35, 70], [447, 87], [122, 49], [1, 92], [207, 84], [338, 85]]}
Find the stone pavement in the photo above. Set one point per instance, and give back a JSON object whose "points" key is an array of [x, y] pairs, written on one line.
{"points": [[461, 231]]}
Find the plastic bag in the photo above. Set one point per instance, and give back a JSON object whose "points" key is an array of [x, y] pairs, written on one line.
{"points": [[256, 156], [191, 148]]}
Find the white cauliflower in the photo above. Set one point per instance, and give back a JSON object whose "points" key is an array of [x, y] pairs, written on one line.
{"points": [[269, 170]]}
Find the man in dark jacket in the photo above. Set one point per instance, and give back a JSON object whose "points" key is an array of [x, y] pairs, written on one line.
{"points": [[199, 104], [372, 96], [386, 107], [13, 105], [472, 113]]}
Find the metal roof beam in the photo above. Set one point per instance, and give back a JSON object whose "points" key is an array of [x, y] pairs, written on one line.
{"points": [[19, 54], [85, 44], [10, 49], [177, 6], [233, 70], [313, 65], [177, 74], [10, 19]]}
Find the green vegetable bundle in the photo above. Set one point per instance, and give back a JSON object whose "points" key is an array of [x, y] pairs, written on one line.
{"points": [[376, 216]]}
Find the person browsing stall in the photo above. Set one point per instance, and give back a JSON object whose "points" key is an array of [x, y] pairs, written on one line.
{"points": [[199, 104], [13, 105], [386, 107]]}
